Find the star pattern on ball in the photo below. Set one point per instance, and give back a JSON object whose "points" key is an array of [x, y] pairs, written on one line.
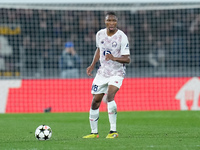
{"points": [[42, 129], [43, 132]]}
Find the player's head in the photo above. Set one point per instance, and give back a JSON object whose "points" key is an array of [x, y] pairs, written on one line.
{"points": [[111, 21]]}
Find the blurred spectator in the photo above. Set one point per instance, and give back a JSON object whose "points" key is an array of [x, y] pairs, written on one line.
{"points": [[48, 56], [43, 28], [157, 57], [2, 63], [6, 52], [69, 62], [5, 48], [31, 53], [56, 29], [193, 40], [179, 28]]}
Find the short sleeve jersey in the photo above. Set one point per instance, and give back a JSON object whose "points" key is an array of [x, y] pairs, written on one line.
{"points": [[117, 45]]}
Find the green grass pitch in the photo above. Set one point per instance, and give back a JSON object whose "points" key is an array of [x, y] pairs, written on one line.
{"points": [[149, 130]]}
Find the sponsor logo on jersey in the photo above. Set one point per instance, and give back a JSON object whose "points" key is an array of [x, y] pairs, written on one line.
{"points": [[106, 52]]}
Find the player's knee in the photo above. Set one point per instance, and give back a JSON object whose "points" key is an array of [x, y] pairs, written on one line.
{"points": [[95, 104]]}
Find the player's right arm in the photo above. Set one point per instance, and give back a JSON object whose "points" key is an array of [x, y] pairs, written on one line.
{"points": [[94, 61]]}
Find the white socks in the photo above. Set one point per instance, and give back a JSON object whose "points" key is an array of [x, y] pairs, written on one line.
{"points": [[94, 117], [112, 114]]}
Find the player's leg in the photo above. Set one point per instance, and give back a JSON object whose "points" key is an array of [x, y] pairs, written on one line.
{"points": [[112, 111], [99, 87], [114, 86], [94, 112], [94, 115]]}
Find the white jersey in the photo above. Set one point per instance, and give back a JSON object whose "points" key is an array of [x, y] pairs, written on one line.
{"points": [[117, 45]]}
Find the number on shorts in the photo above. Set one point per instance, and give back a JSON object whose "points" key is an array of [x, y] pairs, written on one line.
{"points": [[94, 87]]}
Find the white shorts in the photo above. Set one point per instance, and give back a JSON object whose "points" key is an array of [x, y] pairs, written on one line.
{"points": [[100, 83]]}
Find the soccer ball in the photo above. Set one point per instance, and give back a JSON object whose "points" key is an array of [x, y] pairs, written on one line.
{"points": [[43, 132]]}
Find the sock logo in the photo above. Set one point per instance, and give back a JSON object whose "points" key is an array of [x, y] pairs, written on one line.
{"points": [[114, 111], [91, 119]]}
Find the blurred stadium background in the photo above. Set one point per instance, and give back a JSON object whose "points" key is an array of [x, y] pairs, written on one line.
{"points": [[164, 45]]}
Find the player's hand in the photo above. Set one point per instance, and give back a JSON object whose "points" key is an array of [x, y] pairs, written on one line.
{"points": [[109, 57], [89, 70]]}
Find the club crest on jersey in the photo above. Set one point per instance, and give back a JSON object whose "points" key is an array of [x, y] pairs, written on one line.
{"points": [[102, 42], [114, 44]]}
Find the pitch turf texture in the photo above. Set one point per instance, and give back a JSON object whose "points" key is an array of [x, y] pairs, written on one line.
{"points": [[156, 130]]}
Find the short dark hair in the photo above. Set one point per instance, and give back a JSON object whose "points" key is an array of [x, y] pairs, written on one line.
{"points": [[111, 13]]}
